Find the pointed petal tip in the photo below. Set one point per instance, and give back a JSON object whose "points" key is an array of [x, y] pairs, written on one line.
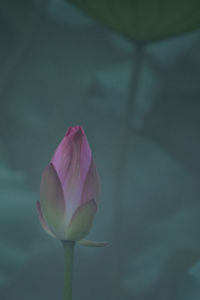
{"points": [[74, 130], [88, 243], [50, 168], [51, 165]]}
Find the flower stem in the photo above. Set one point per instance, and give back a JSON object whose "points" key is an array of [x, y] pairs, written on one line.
{"points": [[69, 254]]}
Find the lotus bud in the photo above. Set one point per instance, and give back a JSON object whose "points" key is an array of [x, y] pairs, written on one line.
{"points": [[69, 191]]}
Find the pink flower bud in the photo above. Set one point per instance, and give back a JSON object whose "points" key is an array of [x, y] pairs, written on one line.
{"points": [[69, 189]]}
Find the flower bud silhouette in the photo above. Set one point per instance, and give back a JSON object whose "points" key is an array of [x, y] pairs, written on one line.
{"points": [[69, 190]]}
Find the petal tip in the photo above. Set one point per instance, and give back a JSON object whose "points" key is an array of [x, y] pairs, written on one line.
{"points": [[73, 130], [88, 243]]}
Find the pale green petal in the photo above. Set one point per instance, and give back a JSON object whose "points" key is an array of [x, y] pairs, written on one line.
{"points": [[52, 201], [81, 221], [42, 220]]}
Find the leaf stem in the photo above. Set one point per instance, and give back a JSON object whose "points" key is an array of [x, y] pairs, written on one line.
{"points": [[124, 135]]}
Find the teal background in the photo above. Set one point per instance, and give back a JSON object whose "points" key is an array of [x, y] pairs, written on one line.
{"points": [[59, 68]]}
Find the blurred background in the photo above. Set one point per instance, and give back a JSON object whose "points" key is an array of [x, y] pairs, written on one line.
{"points": [[130, 76]]}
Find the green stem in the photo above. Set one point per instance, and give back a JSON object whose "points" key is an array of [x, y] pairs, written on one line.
{"points": [[69, 254]]}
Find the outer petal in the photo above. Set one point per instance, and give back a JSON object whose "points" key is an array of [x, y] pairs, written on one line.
{"points": [[42, 220], [91, 188], [52, 201], [81, 221]]}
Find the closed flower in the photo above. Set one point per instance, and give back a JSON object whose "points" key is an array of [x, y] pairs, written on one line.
{"points": [[69, 189]]}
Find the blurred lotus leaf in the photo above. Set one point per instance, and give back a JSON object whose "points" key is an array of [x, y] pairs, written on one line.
{"points": [[144, 20]]}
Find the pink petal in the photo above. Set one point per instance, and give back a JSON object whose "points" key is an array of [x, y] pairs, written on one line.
{"points": [[52, 200], [73, 155], [91, 188], [72, 160], [81, 221], [42, 220]]}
